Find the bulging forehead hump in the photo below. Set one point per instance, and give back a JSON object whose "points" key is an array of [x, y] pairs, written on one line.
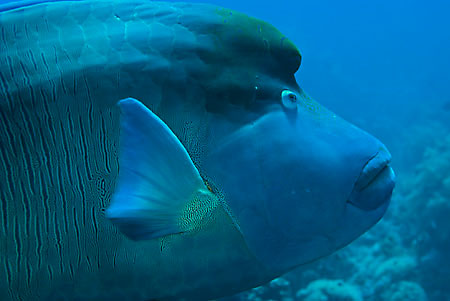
{"points": [[253, 39], [239, 39]]}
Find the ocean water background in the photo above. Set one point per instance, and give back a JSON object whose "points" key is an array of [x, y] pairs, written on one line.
{"points": [[384, 66]]}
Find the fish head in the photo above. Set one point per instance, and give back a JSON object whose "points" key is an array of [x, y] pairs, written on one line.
{"points": [[300, 181]]}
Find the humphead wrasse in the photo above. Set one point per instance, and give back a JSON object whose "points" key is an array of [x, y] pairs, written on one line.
{"points": [[157, 151]]}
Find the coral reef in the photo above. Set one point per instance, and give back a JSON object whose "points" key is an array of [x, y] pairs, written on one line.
{"points": [[324, 290], [405, 291], [277, 289]]}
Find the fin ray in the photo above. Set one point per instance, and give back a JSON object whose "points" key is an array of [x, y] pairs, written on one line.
{"points": [[157, 178]]}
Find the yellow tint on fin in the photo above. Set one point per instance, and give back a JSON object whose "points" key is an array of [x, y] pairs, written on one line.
{"points": [[159, 190]]}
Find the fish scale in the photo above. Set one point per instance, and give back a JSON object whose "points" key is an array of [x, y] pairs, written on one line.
{"points": [[58, 168], [58, 212]]}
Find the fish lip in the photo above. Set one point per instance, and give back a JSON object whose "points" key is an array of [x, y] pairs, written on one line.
{"points": [[376, 177], [372, 169]]}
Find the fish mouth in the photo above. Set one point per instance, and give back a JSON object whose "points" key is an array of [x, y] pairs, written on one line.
{"points": [[375, 184]]}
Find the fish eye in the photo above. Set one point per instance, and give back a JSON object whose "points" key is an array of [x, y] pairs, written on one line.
{"points": [[289, 99]]}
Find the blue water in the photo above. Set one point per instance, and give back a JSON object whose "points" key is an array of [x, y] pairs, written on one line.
{"points": [[385, 66]]}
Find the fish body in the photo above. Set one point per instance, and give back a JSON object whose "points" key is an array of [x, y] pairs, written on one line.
{"points": [[217, 89]]}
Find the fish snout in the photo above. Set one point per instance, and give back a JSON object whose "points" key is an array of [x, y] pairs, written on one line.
{"points": [[375, 184]]}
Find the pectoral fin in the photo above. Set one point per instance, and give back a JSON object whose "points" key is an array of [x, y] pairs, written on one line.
{"points": [[157, 178]]}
